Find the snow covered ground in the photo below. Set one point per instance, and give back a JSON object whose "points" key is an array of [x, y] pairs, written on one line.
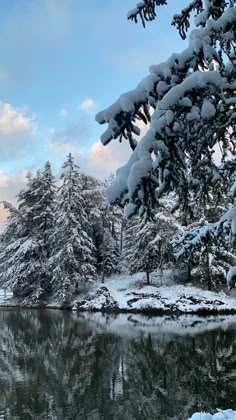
{"points": [[124, 293], [221, 415], [5, 295]]}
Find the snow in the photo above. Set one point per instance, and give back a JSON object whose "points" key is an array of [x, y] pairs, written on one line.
{"points": [[169, 88], [124, 293], [221, 415], [231, 277], [5, 295], [208, 110]]}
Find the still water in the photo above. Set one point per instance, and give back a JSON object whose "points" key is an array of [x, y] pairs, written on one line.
{"points": [[62, 366]]}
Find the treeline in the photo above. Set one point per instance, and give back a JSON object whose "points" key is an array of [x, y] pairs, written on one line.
{"points": [[63, 236], [59, 238]]}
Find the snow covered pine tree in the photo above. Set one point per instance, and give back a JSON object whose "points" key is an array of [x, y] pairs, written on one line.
{"points": [[72, 261], [189, 103], [24, 246]]}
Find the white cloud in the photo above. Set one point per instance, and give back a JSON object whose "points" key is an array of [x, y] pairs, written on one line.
{"points": [[4, 179], [63, 112], [17, 132], [3, 217], [10, 186], [14, 121], [104, 160], [88, 104]]}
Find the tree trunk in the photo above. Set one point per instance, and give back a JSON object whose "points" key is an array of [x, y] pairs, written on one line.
{"points": [[121, 234], [209, 282], [148, 278], [189, 272]]}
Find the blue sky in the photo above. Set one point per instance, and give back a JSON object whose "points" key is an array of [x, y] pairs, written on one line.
{"points": [[62, 61]]}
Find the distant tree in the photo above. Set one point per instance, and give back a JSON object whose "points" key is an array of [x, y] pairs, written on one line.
{"points": [[104, 224], [109, 251], [211, 245], [148, 243]]}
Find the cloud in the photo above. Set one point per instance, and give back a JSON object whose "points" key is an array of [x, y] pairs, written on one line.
{"points": [[3, 217], [63, 112], [103, 160], [10, 186], [3, 179], [88, 104], [17, 132], [14, 121]]}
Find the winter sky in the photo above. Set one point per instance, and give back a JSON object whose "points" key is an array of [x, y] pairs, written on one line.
{"points": [[62, 61]]}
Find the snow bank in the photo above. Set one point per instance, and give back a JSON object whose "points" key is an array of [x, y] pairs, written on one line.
{"points": [[130, 294], [221, 415]]}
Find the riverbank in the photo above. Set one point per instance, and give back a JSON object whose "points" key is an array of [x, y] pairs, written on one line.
{"points": [[130, 294], [220, 415]]}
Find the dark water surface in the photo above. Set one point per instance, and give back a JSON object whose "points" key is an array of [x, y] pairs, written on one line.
{"points": [[60, 366]]}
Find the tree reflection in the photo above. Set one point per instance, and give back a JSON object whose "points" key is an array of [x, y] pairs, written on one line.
{"points": [[57, 366]]}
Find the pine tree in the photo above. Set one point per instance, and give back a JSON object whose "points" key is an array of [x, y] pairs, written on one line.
{"points": [[72, 258], [192, 95], [148, 243], [212, 245], [104, 224], [142, 247], [109, 252], [25, 244]]}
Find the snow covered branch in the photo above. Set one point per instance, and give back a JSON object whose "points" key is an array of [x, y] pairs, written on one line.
{"points": [[193, 97]]}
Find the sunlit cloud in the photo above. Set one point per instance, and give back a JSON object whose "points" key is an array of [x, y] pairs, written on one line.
{"points": [[104, 160], [18, 132], [10, 186], [88, 104], [14, 121]]}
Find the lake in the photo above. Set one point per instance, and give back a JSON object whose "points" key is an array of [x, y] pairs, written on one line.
{"points": [[62, 366]]}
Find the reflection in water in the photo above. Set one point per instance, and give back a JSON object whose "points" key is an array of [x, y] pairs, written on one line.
{"points": [[57, 366]]}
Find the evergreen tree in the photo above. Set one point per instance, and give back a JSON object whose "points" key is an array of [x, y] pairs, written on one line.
{"points": [[109, 251], [147, 243], [72, 258], [104, 224], [142, 247], [192, 95], [212, 244], [25, 242]]}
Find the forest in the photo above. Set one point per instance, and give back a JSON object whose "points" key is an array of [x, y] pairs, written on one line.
{"points": [[64, 237], [172, 205]]}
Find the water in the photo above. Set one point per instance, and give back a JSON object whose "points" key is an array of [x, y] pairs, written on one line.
{"points": [[60, 366]]}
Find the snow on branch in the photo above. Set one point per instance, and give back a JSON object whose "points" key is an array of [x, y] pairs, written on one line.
{"points": [[193, 97], [145, 10]]}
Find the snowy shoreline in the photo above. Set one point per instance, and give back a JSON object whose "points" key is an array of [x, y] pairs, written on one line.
{"points": [[130, 294], [152, 300]]}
